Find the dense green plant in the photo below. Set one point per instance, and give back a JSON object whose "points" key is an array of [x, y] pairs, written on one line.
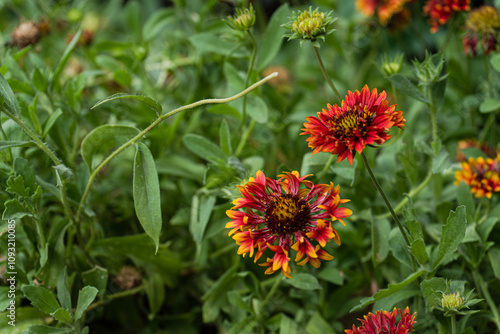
{"points": [[132, 133]]}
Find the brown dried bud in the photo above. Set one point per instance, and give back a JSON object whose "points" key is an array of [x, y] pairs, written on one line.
{"points": [[25, 34]]}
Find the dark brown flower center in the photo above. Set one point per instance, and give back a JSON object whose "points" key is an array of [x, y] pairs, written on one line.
{"points": [[287, 214], [354, 119]]}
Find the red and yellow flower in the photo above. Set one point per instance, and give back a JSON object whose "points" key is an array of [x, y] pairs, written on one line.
{"points": [[363, 119], [440, 11], [482, 175], [385, 322], [290, 212], [384, 9]]}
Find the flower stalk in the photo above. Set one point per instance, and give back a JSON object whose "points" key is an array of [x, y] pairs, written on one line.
{"points": [[325, 74]]}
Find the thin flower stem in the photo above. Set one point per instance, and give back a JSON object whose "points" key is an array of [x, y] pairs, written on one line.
{"points": [[270, 294], [325, 74], [244, 138], [4, 137], [387, 203], [432, 108], [483, 290], [411, 194], [154, 124], [326, 167], [249, 73], [114, 296], [453, 324]]}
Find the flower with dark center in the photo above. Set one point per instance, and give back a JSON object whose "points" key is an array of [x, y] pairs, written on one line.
{"points": [[440, 11], [384, 9], [482, 175], [363, 119], [385, 322], [290, 212]]}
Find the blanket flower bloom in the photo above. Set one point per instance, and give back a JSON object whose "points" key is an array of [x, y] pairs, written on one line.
{"points": [[280, 214], [483, 24], [384, 9], [482, 175], [363, 119], [440, 11], [385, 322]]}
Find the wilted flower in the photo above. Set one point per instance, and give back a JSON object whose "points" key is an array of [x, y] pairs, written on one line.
{"points": [[27, 33], [128, 277], [363, 119], [384, 9], [441, 10], [280, 214], [309, 25], [482, 24], [385, 322], [243, 20], [482, 175]]}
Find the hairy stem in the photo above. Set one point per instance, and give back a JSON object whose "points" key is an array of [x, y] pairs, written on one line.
{"points": [[153, 125], [325, 74]]}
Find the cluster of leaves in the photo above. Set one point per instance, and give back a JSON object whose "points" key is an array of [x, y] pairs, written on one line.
{"points": [[87, 208]]}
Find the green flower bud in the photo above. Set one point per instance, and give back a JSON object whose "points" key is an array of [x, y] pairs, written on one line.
{"points": [[309, 25], [243, 20]]}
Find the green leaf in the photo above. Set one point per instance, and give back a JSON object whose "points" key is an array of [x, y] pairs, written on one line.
{"points": [[318, 325], [157, 22], [64, 59], [41, 298], [146, 187], [216, 292], [8, 95], [452, 236], [441, 162], [430, 289], [202, 207], [464, 197], [493, 256], [24, 168], [85, 297], [304, 281], [225, 138], [273, 37], [332, 275], [406, 87], [20, 86], [63, 293], [4, 144], [391, 289], [43, 329], [14, 210], [62, 173], [495, 62], [51, 121], [418, 249], [15, 185], [398, 247], [62, 314], [346, 170], [310, 162], [225, 109], [287, 325], [141, 98], [155, 290], [96, 277], [204, 148], [208, 42], [235, 78], [257, 109], [39, 81], [489, 105], [104, 138]]}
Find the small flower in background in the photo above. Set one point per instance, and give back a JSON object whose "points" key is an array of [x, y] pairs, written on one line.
{"points": [[284, 212], [363, 119], [473, 145], [309, 25], [440, 11], [282, 82], [27, 33], [243, 20], [483, 24], [128, 277], [385, 322], [482, 175], [385, 9]]}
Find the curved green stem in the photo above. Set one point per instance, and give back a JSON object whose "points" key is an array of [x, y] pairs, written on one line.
{"points": [[325, 74], [411, 194], [114, 296], [153, 125], [435, 137], [483, 290], [388, 204], [244, 138]]}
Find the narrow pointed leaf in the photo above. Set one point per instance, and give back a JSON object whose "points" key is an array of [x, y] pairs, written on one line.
{"points": [[41, 298], [146, 187], [452, 236], [64, 59], [85, 297]]}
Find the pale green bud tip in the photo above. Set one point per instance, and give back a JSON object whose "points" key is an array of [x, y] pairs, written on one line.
{"points": [[452, 301], [243, 20]]}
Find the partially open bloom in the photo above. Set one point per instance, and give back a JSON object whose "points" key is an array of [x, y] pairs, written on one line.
{"points": [[483, 24], [363, 119], [243, 20], [482, 175], [290, 212], [385, 322], [309, 25], [384, 9], [440, 11]]}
